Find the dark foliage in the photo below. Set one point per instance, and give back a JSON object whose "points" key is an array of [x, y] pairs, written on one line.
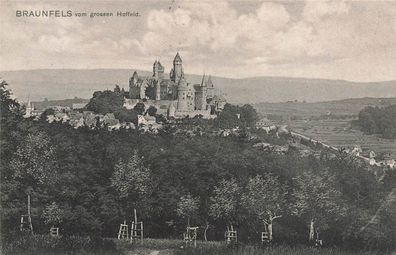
{"points": [[375, 120], [107, 101]]}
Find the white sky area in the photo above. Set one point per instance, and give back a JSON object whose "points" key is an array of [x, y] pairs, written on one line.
{"points": [[351, 40]]}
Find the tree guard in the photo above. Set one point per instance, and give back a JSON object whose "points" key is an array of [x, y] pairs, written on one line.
{"points": [[136, 229], [231, 235], [54, 231], [26, 220], [190, 236], [123, 231]]}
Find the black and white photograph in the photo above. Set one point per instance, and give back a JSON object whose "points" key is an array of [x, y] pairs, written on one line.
{"points": [[198, 127]]}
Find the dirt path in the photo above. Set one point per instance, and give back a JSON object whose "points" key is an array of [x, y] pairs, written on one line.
{"points": [[154, 252]]}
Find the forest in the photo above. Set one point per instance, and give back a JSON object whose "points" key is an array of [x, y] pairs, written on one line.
{"points": [[87, 182], [378, 120]]}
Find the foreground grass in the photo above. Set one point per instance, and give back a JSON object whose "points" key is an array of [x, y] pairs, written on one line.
{"points": [[177, 247], [68, 245]]}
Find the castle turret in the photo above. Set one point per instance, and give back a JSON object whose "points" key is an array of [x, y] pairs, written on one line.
{"points": [[133, 89], [201, 95], [158, 70], [182, 95], [171, 110], [177, 71], [210, 87]]}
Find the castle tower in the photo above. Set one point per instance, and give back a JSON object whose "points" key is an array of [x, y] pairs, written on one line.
{"points": [[201, 94], [133, 90], [158, 74], [158, 70], [182, 95], [177, 71], [210, 87]]}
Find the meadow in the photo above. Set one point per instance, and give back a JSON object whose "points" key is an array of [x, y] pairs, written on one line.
{"points": [[177, 247], [339, 133], [330, 122], [44, 244]]}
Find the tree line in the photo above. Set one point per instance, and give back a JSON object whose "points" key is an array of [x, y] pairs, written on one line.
{"points": [[87, 182], [378, 120]]}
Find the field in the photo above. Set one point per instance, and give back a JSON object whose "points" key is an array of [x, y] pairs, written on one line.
{"points": [[46, 245], [330, 122], [340, 134], [176, 247]]}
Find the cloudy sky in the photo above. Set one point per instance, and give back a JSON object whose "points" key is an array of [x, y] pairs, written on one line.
{"points": [[351, 40]]}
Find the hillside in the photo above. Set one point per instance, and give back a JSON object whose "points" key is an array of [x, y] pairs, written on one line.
{"points": [[337, 107], [70, 83]]}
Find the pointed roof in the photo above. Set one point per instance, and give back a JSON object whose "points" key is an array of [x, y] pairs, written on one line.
{"points": [[209, 82], [203, 82], [171, 106], [177, 58]]}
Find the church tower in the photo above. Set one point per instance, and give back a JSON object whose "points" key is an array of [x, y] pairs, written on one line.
{"points": [[177, 71]]}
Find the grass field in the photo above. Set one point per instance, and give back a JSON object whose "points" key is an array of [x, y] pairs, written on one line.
{"points": [[339, 134], [176, 247], [330, 122]]}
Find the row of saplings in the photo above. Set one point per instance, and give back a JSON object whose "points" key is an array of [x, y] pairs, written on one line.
{"points": [[264, 196]]}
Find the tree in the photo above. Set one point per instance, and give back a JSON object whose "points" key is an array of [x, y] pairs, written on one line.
{"points": [[52, 214], [125, 115], [265, 197], [139, 108], [225, 201], [318, 200], [187, 207], [106, 101], [8, 105], [152, 110], [34, 160], [117, 89], [131, 179], [249, 115]]}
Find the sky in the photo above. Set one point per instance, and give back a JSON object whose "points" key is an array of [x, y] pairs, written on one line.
{"points": [[349, 40]]}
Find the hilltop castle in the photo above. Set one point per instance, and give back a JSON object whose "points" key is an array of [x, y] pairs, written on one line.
{"points": [[175, 96]]}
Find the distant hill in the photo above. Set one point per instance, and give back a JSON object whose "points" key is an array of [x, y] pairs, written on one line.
{"points": [[339, 107], [70, 83]]}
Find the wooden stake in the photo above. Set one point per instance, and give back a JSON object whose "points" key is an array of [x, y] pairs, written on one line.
{"points": [[29, 205]]}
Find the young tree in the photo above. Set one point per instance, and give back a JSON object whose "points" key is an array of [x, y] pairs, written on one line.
{"points": [[265, 197], [131, 179], [318, 200], [225, 201], [187, 207], [34, 161], [52, 214]]}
